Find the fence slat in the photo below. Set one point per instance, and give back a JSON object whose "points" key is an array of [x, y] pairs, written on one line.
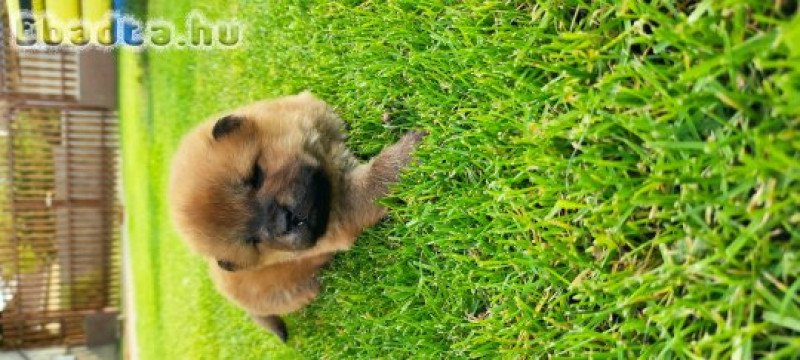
{"points": [[62, 235]]}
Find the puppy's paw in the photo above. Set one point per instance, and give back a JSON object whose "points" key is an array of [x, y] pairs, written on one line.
{"points": [[414, 136], [402, 151]]}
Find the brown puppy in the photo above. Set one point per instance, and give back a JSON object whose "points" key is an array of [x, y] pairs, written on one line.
{"points": [[268, 192]]}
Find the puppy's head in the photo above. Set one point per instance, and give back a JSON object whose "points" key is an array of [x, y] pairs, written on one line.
{"points": [[252, 184]]}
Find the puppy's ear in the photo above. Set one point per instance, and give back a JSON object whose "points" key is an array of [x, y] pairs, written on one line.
{"points": [[226, 125], [273, 324]]}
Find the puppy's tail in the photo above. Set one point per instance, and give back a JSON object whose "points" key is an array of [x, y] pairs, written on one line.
{"points": [[273, 324]]}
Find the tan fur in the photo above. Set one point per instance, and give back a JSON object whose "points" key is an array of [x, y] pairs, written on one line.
{"points": [[279, 134]]}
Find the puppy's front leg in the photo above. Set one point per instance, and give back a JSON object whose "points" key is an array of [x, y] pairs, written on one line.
{"points": [[369, 182], [363, 186]]}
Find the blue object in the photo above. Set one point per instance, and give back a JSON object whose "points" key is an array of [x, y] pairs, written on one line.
{"points": [[127, 29]]}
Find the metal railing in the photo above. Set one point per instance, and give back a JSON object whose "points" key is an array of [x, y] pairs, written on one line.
{"points": [[59, 215]]}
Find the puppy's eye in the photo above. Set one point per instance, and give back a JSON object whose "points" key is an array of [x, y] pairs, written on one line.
{"points": [[296, 223], [256, 177], [226, 265]]}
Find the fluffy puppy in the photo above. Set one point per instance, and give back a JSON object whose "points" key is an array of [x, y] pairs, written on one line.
{"points": [[268, 192]]}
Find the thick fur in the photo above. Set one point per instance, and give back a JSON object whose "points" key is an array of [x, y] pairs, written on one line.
{"points": [[212, 204]]}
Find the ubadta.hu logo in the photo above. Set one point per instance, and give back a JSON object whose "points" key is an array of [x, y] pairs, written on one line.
{"points": [[116, 29]]}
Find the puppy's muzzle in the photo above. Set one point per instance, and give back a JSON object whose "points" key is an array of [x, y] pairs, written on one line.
{"points": [[298, 225]]}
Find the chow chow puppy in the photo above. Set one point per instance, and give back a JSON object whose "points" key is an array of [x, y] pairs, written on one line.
{"points": [[269, 192]]}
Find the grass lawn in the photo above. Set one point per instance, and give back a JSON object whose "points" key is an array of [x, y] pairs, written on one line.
{"points": [[604, 179]]}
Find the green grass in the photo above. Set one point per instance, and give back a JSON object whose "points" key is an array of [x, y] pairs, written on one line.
{"points": [[601, 179]]}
